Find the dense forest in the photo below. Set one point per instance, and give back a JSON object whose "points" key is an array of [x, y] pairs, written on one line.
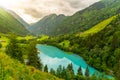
{"points": [[82, 20], [100, 50], [19, 60], [92, 33], [88, 17], [22, 52]]}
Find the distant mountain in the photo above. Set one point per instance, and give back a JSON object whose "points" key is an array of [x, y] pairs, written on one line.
{"points": [[86, 18], [99, 45], [47, 25], [82, 20], [8, 23], [19, 19]]}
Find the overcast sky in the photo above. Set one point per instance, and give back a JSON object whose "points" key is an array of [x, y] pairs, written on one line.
{"points": [[33, 10]]}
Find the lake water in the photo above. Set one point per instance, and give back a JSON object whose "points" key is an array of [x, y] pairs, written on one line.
{"points": [[53, 57]]}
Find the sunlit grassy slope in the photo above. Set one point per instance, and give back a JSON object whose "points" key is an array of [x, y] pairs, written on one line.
{"points": [[96, 28], [9, 24], [11, 69]]}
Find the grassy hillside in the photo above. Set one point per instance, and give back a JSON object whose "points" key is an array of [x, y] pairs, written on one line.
{"points": [[89, 17], [96, 28], [11, 69], [9, 24], [26, 25]]}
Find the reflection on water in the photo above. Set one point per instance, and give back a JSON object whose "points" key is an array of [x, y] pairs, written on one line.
{"points": [[53, 57]]}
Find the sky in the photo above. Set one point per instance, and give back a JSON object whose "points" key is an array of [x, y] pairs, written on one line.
{"points": [[33, 10]]}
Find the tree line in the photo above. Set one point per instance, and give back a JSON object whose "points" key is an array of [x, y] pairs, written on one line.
{"points": [[17, 49]]}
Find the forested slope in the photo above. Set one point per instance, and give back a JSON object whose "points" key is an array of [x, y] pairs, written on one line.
{"points": [[100, 48], [89, 17], [9, 24]]}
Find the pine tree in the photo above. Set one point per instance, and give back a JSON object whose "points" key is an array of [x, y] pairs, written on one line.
{"points": [[45, 68], [59, 71], [52, 71], [87, 72], [33, 58], [70, 72], [70, 68], [63, 73], [79, 71], [13, 49]]}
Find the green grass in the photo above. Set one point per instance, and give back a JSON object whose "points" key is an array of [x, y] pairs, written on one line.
{"points": [[26, 37], [11, 69], [96, 28], [43, 37], [4, 42], [9, 24], [65, 43]]}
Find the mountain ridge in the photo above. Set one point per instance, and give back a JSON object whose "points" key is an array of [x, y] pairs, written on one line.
{"points": [[91, 15], [8, 23], [47, 25], [96, 47], [19, 18], [83, 19]]}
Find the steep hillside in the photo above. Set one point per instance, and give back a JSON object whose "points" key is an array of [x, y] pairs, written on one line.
{"points": [[19, 18], [47, 25], [99, 46], [13, 70], [9, 24], [86, 18], [96, 28]]}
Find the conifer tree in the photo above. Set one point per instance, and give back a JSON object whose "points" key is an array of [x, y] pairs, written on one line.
{"points": [[70, 72], [52, 71], [63, 73], [13, 49], [79, 71], [59, 71], [33, 58], [70, 68], [45, 68], [87, 72]]}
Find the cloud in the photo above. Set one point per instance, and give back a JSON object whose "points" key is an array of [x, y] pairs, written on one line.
{"points": [[36, 9]]}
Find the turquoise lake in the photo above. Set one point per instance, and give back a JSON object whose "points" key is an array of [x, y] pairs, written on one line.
{"points": [[53, 57]]}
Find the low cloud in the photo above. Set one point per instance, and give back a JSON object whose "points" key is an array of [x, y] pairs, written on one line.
{"points": [[40, 8]]}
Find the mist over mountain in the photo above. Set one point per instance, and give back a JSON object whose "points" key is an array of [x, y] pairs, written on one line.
{"points": [[19, 19], [82, 46], [80, 21], [8, 23], [47, 25]]}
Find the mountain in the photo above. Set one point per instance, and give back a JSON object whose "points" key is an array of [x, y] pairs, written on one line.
{"points": [[8, 23], [88, 17], [99, 45], [19, 19], [47, 25]]}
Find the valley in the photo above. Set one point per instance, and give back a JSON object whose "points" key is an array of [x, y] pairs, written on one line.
{"points": [[81, 46]]}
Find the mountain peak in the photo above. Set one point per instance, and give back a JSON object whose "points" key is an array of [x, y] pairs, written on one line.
{"points": [[51, 15]]}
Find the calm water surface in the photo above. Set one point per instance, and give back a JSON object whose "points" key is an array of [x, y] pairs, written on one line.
{"points": [[53, 57]]}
